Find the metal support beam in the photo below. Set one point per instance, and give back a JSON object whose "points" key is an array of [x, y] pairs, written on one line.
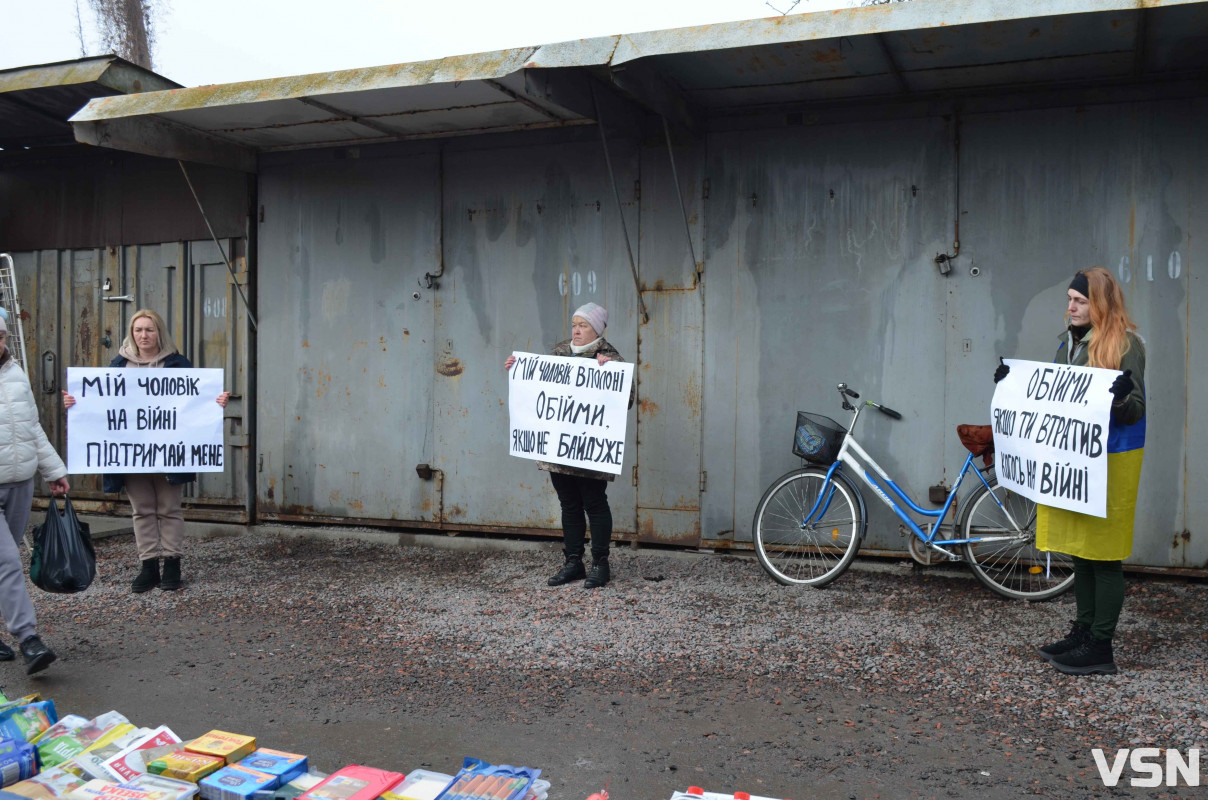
{"points": [[153, 136], [251, 315], [645, 84], [1139, 48], [637, 286], [527, 102], [348, 117], [893, 64]]}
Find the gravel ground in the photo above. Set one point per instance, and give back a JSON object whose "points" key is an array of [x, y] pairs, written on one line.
{"points": [[687, 669]]}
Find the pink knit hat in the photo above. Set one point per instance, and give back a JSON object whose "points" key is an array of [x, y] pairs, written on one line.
{"points": [[596, 316]]}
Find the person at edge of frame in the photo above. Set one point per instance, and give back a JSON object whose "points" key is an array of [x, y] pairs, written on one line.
{"points": [[24, 450], [155, 498], [583, 491], [1099, 333]]}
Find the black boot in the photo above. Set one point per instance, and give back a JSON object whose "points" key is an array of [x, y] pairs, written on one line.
{"points": [[37, 655], [1092, 657], [599, 574], [572, 570], [1078, 634], [171, 581], [148, 579]]}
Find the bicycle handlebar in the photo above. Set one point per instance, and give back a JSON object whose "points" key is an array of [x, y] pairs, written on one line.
{"points": [[889, 412]]}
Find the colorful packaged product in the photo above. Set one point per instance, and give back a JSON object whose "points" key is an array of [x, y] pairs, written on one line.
{"points": [[354, 782], [163, 788], [229, 746], [18, 761], [420, 784], [90, 764], [107, 790], [184, 765], [234, 782], [129, 762], [28, 721], [285, 766], [49, 784], [68, 724]]}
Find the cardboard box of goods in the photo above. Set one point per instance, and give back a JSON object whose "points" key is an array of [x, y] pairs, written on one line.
{"points": [[163, 788], [285, 766], [234, 782], [354, 782], [49, 784], [129, 762], [230, 746], [185, 766]]}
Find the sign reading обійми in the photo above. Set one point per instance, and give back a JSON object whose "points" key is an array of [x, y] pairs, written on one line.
{"points": [[129, 420], [570, 411], [1050, 434]]}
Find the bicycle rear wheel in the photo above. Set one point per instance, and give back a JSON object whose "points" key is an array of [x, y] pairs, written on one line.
{"points": [[1010, 564], [813, 553]]}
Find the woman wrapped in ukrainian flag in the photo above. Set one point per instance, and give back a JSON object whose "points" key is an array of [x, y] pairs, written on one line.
{"points": [[1099, 333]]}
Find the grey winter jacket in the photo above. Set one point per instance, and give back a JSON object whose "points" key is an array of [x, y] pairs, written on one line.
{"points": [[24, 448]]}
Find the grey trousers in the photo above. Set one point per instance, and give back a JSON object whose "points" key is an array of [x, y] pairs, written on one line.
{"points": [[159, 521], [15, 605]]}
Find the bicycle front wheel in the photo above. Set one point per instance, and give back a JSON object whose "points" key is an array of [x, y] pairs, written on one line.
{"points": [[810, 552], [1007, 561]]}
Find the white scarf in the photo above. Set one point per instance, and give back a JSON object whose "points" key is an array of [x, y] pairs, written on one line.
{"points": [[583, 348]]}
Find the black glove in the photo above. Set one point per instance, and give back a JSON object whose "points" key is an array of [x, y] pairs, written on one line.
{"points": [[1122, 386], [1001, 372]]}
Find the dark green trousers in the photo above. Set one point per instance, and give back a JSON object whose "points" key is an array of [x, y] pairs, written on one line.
{"points": [[1099, 593]]}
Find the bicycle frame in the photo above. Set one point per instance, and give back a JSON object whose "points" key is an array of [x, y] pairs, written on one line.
{"points": [[851, 454]]}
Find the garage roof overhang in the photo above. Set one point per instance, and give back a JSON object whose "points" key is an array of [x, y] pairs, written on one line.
{"points": [[36, 101], [938, 47]]}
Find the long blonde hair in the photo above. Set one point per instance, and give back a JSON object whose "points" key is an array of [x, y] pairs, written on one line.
{"points": [[166, 345], [1109, 319]]}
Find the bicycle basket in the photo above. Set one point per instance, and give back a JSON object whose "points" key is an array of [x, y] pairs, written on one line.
{"points": [[817, 438]]}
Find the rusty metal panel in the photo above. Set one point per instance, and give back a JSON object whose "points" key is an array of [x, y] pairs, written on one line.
{"points": [[530, 233], [671, 346], [1121, 186], [345, 347], [818, 251], [75, 308], [105, 198]]}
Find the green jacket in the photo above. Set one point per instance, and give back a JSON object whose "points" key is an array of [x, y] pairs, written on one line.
{"points": [[1128, 414]]}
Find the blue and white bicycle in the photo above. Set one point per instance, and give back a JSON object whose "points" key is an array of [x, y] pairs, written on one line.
{"points": [[810, 522]]}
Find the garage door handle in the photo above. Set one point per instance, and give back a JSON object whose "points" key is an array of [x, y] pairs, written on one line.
{"points": [[119, 298], [50, 375]]}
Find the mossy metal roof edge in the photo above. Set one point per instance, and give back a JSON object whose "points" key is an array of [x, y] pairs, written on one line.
{"points": [[860, 21]]}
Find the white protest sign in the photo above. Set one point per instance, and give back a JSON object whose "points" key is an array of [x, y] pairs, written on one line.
{"points": [[130, 420], [569, 411], [1050, 434]]}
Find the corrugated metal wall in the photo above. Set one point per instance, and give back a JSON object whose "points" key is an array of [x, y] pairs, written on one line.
{"points": [[817, 247]]}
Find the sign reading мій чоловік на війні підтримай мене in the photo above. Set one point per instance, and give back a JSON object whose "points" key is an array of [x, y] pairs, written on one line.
{"points": [[570, 411], [1050, 434], [130, 420]]}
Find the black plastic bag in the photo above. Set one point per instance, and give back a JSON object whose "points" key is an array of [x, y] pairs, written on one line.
{"points": [[63, 560]]}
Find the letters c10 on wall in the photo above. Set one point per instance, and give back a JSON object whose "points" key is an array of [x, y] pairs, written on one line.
{"points": [[129, 420]]}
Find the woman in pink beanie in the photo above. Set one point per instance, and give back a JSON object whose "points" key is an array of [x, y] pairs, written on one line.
{"points": [[583, 492]]}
